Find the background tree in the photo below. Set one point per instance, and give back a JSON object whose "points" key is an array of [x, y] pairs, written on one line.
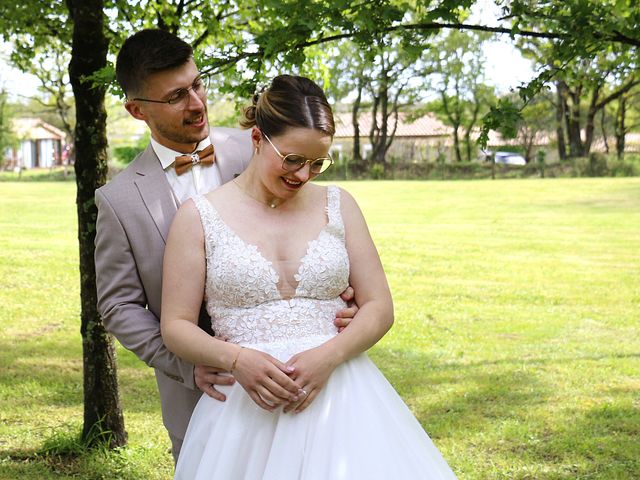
{"points": [[537, 117], [49, 63], [380, 76], [458, 59], [626, 118], [536, 123], [571, 32], [7, 137]]}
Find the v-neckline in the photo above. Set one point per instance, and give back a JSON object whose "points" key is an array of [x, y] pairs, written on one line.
{"points": [[268, 262]]}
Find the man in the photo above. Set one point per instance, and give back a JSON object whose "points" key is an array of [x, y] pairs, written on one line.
{"points": [[164, 89]]}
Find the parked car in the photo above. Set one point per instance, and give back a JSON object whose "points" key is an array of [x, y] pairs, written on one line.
{"points": [[509, 158]]}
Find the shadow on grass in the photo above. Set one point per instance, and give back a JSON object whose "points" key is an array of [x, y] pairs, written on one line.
{"points": [[453, 398], [598, 443], [48, 373], [499, 407], [65, 455]]}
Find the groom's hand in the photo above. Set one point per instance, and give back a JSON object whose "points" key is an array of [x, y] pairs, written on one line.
{"points": [[207, 378], [344, 316]]}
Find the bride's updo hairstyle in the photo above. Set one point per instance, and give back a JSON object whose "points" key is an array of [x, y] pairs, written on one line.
{"points": [[290, 101]]}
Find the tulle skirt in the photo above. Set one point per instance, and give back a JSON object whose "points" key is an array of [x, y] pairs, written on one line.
{"points": [[357, 428]]}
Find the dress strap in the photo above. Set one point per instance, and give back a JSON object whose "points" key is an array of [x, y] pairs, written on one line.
{"points": [[333, 210], [208, 218]]}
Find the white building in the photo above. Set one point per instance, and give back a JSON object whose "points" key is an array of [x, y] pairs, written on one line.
{"points": [[41, 145]]}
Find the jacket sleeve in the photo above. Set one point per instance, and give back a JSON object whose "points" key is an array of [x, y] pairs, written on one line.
{"points": [[122, 301]]}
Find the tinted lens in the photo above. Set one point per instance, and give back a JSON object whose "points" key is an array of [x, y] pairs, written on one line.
{"points": [[293, 162], [320, 165]]}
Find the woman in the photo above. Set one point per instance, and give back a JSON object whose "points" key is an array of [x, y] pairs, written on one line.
{"points": [[271, 253]]}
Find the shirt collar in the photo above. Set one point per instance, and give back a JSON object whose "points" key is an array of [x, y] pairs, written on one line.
{"points": [[168, 156]]}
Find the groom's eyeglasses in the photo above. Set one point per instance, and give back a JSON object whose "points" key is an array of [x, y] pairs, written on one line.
{"points": [[180, 97], [292, 162]]}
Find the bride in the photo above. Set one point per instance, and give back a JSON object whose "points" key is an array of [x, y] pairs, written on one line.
{"points": [[271, 253]]}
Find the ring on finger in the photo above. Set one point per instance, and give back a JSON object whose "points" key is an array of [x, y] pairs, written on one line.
{"points": [[303, 392]]}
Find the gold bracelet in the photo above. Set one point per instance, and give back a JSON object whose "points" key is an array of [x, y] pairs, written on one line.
{"points": [[233, 365]]}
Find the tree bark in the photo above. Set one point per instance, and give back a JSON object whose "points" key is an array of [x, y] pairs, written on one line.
{"points": [[620, 127], [575, 139], [103, 419], [560, 115], [590, 126], [355, 110], [603, 130], [455, 124]]}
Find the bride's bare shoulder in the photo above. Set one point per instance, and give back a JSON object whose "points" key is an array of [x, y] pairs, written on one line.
{"points": [[220, 194]]}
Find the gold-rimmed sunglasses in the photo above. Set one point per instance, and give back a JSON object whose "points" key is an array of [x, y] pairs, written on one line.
{"points": [[292, 162]]}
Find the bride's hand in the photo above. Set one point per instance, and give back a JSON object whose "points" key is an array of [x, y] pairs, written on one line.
{"points": [[265, 379], [312, 369]]}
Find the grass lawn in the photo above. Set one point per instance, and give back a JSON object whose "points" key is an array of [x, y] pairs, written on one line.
{"points": [[516, 343]]}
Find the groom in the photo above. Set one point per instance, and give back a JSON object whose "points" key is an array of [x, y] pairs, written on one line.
{"points": [[164, 89]]}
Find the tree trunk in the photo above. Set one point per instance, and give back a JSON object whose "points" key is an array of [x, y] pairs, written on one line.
{"points": [[469, 127], [560, 105], [590, 125], [620, 127], [355, 110], [575, 140], [103, 419], [381, 147], [456, 143], [455, 124], [603, 130]]}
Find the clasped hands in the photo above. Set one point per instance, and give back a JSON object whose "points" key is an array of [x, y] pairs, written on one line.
{"points": [[271, 383], [292, 385]]}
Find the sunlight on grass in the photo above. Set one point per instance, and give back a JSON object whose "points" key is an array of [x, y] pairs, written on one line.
{"points": [[516, 341]]}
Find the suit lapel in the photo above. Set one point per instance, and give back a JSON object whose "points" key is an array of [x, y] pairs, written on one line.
{"points": [[155, 191]]}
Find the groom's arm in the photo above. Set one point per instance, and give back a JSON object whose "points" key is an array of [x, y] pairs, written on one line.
{"points": [[122, 301], [344, 316]]}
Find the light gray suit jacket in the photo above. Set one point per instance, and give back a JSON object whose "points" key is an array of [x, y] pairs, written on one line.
{"points": [[135, 211]]}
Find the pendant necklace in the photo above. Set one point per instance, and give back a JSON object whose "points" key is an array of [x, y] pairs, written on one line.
{"points": [[271, 204]]}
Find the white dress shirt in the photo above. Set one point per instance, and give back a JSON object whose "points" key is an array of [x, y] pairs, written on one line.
{"points": [[198, 179]]}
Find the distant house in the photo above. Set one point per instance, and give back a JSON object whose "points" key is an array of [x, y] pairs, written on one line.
{"points": [[41, 145], [419, 140]]}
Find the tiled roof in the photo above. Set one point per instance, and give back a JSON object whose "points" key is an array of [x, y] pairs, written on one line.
{"points": [[425, 126], [36, 129]]}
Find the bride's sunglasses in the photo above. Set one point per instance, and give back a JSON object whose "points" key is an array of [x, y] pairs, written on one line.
{"points": [[292, 162]]}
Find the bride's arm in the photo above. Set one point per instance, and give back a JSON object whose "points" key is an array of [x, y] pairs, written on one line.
{"points": [[183, 281], [371, 322]]}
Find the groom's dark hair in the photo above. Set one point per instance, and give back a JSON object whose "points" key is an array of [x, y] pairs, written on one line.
{"points": [[145, 53]]}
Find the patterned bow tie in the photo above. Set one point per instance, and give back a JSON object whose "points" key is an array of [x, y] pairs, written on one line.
{"points": [[203, 157]]}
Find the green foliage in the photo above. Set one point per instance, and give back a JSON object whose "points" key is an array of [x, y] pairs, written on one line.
{"points": [[59, 174], [125, 154], [377, 172], [7, 137], [502, 117]]}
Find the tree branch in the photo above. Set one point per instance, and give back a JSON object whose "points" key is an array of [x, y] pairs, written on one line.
{"points": [[621, 91]]}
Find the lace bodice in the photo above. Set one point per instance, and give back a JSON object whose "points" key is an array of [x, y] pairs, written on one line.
{"points": [[241, 289]]}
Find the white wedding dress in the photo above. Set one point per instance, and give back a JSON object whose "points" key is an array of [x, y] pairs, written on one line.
{"points": [[357, 428]]}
